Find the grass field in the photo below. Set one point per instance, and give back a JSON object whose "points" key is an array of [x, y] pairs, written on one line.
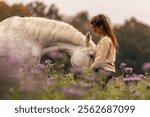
{"points": [[51, 82]]}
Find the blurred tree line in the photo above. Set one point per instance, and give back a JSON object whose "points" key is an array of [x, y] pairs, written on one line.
{"points": [[133, 36], [134, 41], [16, 9]]}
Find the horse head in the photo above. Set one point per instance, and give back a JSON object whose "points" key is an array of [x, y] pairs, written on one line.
{"points": [[84, 56], [80, 56]]}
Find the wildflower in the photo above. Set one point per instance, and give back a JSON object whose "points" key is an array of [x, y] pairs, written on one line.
{"points": [[62, 66], [132, 78], [90, 78], [126, 79], [85, 85], [40, 66], [76, 70], [122, 66], [48, 61], [72, 92], [49, 64], [135, 78], [128, 70], [146, 66], [141, 76]]}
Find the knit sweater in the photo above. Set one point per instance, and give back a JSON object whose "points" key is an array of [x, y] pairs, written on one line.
{"points": [[105, 55]]}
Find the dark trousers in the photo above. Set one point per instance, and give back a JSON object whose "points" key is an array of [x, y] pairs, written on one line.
{"points": [[106, 75]]}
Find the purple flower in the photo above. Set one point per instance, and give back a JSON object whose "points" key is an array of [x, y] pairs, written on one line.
{"points": [[135, 78], [76, 70], [122, 66], [141, 76], [48, 61], [146, 66], [90, 78], [48, 64], [128, 70], [132, 78], [72, 92], [40, 66], [56, 54], [85, 85], [126, 79]]}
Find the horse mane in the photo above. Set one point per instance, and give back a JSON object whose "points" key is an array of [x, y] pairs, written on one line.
{"points": [[48, 30]]}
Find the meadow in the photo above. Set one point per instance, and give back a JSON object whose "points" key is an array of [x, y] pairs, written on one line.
{"points": [[50, 81]]}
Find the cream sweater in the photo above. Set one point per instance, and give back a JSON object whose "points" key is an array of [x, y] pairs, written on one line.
{"points": [[105, 55]]}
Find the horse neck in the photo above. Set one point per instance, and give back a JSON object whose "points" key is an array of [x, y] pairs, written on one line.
{"points": [[61, 46], [46, 31]]}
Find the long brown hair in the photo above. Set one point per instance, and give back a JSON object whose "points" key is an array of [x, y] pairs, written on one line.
{"points": [[102, 21]]}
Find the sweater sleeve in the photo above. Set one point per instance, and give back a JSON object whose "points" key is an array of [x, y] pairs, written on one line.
{"points": [[101, 53]]}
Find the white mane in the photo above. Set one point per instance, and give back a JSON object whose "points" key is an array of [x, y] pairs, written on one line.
{"points": [[47, 31], [30, 37]]}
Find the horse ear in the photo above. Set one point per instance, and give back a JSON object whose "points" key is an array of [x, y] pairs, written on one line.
{"points": [[88, 38]]}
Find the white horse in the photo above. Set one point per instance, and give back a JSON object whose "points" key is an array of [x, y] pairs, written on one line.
{"points": [[30, 37]]}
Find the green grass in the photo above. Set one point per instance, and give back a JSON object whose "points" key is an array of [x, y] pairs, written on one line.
{"points": [[52, 83]]}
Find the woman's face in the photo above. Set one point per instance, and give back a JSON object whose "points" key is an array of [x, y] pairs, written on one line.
{"points": [[97, 29]]}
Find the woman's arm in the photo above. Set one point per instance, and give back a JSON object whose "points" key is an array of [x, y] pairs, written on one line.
{"points": [[102, 51]]}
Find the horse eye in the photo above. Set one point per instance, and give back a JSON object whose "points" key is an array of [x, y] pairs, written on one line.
{"points": [[91, 56]]}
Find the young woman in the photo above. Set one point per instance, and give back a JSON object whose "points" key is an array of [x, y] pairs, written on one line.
{"points": [[106, 47]]}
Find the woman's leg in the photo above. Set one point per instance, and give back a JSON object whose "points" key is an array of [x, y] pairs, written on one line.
{"points": [[107, 77]]}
